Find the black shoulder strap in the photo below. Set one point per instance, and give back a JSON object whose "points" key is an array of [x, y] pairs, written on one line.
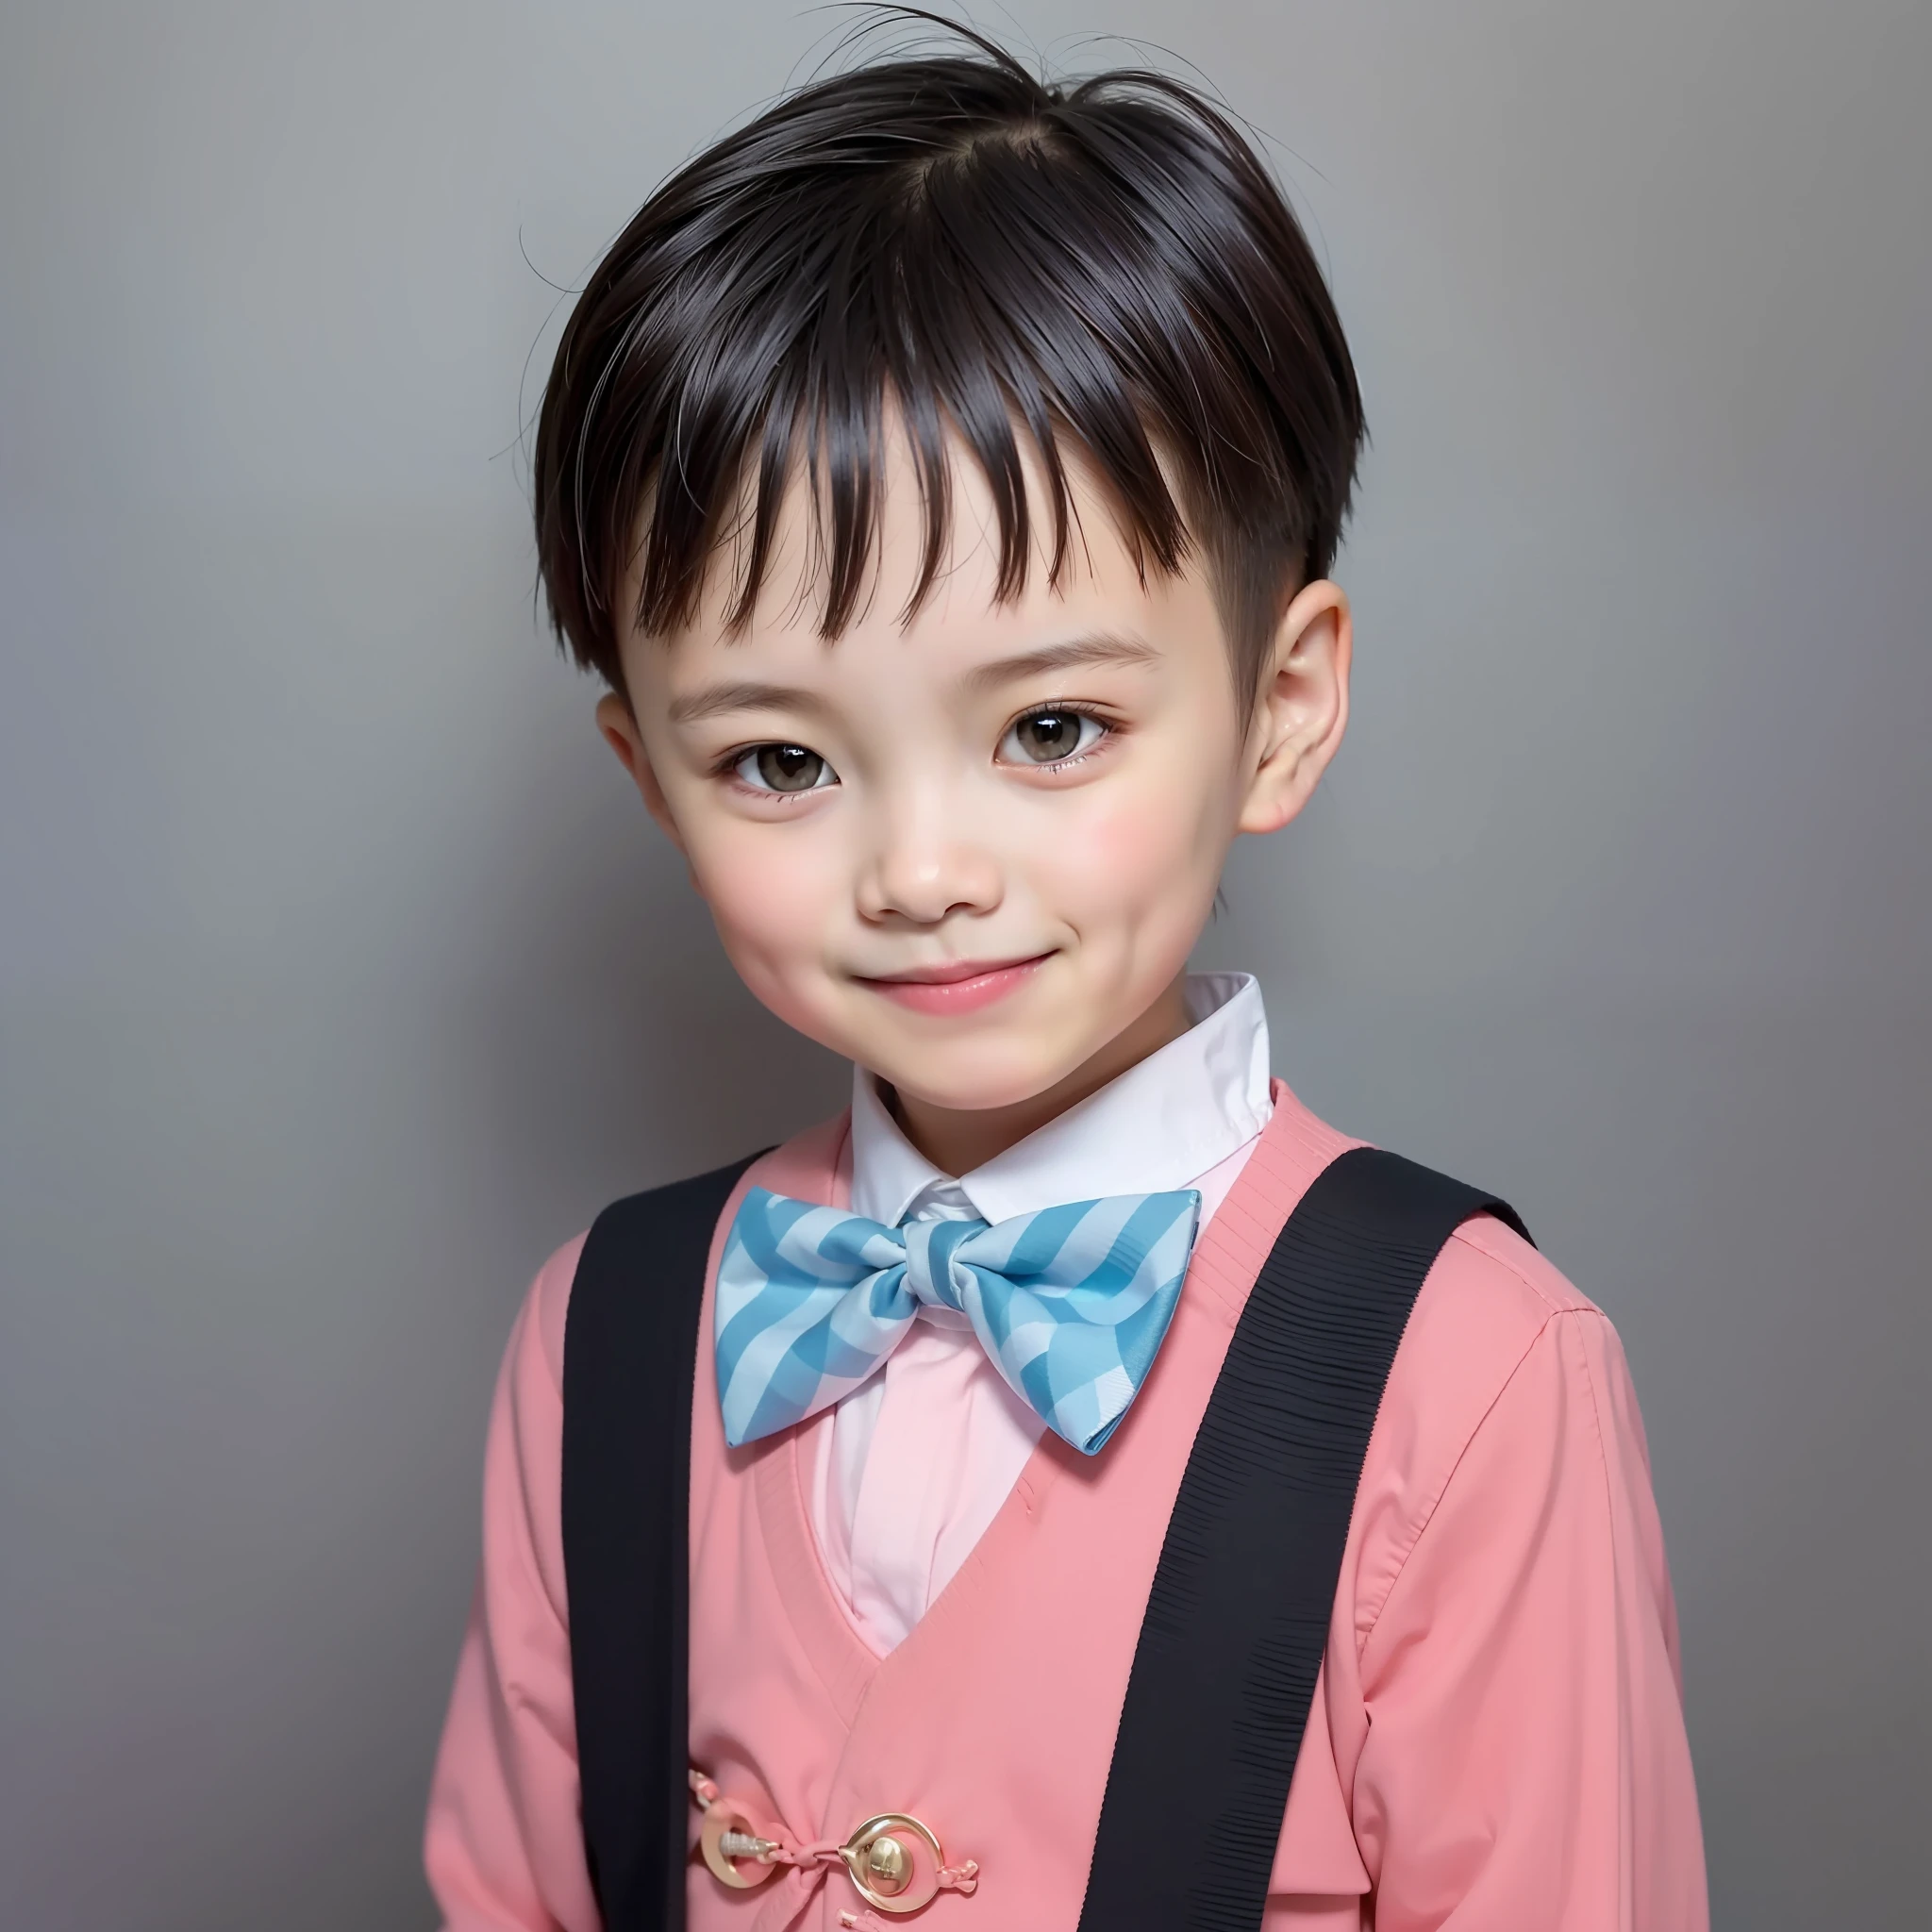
{"points": [[629, 1350], [1238, 1617]]}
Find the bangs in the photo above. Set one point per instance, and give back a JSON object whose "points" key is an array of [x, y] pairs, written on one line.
{"points": [[793, 527], [1101, 279], [928, 313]]}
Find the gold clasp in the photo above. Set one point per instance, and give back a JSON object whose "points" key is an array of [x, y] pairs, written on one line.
{"points": [[893, 1862], [736, 1854]]}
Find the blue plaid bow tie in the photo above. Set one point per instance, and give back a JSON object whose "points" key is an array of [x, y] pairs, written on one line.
{"points": [[1070, 1303]]}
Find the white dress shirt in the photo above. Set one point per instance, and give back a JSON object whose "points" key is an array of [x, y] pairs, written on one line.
{"points": [[906, 1471]]}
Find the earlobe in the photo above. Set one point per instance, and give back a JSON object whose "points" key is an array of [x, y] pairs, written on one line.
{"points": [[1302, 707], [620, 729]]}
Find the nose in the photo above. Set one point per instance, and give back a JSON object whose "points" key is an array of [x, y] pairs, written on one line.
{"points": [[926, 864]]}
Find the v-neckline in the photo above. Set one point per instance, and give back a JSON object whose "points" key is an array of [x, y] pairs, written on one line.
{"points": [[846, 1663]]}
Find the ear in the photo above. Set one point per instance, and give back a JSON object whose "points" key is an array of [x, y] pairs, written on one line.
{"points": [[1301, 709], [620, 729]]}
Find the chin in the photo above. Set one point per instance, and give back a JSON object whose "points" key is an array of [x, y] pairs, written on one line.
{"points": [[978, 1078]]}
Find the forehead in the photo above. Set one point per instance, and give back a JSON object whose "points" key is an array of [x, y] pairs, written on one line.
{"points": [[1104, 580]]}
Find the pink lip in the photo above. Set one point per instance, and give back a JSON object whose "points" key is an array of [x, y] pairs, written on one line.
{"points": [[959, 987]]}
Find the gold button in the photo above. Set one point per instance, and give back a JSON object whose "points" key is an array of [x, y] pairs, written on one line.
{"points": [[886, 1866], [893, 1862]]}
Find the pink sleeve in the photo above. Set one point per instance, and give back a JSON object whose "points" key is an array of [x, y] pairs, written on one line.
{"points": [[503, 1846], [1525, 1761]]}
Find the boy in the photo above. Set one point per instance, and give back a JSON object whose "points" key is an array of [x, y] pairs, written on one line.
{"points": [[943, 473]]}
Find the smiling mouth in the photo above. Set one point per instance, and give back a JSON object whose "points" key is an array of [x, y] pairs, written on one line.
{"points": [[958, 986]]}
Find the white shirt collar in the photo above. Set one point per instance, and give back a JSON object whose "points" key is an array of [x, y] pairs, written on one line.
{"points": [[1163, 1123]]}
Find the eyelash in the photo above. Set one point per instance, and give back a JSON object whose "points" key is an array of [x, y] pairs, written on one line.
{"points": [[1108, 732], [725, 767]]}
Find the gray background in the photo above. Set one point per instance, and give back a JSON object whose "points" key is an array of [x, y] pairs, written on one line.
{"points": [[342, 978]]}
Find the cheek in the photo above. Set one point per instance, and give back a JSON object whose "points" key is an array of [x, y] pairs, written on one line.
{"points": [[772, 901], [1137, 850]]}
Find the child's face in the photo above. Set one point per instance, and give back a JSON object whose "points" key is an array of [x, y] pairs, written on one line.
{"points": [[971, 852]]}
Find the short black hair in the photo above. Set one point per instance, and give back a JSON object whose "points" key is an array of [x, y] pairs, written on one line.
{"points": [[1103, 264]]}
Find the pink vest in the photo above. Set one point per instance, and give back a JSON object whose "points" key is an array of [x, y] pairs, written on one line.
{"points": [[1496, 1740], [993, 1721]]}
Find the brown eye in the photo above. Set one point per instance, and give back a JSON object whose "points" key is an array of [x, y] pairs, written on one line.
{"points": [[784, 768], [1049, 735]]}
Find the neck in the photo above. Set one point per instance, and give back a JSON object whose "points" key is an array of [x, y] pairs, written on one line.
{"points": [[957, 1139]]}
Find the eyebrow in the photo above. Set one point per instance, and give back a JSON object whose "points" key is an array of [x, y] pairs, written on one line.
{"points": [[1101, 648], [743, 695], [708, 700]]}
